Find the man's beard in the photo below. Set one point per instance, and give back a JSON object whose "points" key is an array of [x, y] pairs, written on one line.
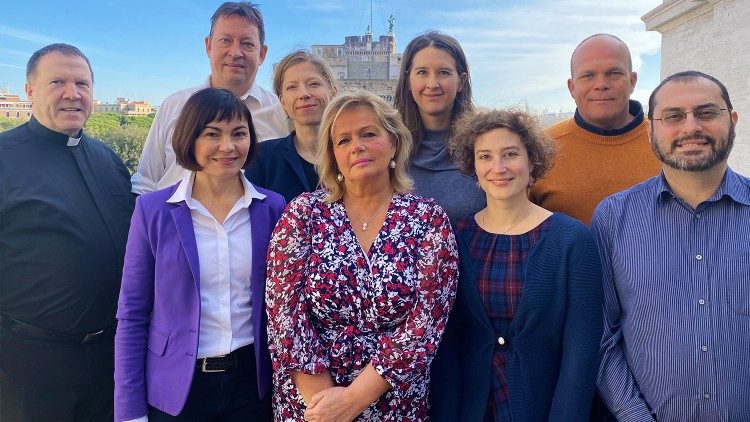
{"points": [[719, 151]]}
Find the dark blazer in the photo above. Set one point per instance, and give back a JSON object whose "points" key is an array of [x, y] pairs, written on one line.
{"points": [[552, 345], [278, 167], [159, 309]]}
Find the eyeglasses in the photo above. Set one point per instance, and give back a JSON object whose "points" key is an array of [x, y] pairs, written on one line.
{"points": [[676, 118]]}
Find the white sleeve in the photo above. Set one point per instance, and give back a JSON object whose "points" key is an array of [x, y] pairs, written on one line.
{"points": [[152, 165]]}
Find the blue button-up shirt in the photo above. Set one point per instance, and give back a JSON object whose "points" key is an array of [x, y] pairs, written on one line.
{"points": [[676, 344]]}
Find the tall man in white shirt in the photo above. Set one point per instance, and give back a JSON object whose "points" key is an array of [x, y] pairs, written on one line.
{"points": [[236, 48]]}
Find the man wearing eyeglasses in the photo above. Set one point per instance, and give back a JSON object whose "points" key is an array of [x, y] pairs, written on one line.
{"points": [[604, 148], [675, 252], [236, 48]]}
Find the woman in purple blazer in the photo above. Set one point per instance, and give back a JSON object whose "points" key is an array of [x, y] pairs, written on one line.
{"points": [[191, 337]]}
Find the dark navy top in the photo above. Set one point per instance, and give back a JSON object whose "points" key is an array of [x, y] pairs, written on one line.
{"points": [[279, 167]]}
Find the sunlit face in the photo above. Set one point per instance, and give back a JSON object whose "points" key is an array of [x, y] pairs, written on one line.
{"points": [[222, 148], [235, 53], [695, 145], [502, 164], [434, 83], [305, 93], [601, 82], [61, 92], [362, 147]]}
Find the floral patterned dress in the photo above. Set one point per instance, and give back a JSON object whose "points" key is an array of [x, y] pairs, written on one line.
{"points": [[334, 307]]}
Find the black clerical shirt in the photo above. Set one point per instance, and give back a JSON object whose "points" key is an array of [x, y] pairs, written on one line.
{"points": [[64, 216]]}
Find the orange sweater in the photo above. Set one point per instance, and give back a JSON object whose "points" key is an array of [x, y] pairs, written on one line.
{"points": [[590, 167]]}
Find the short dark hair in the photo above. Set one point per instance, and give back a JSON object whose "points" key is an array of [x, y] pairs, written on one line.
{"points": [[403, 99], [202, 108], [473, 124], [61, 48], [244, 9], [686, 76]]}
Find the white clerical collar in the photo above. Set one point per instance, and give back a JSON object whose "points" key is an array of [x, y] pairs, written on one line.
{"points": [[73, 142]]}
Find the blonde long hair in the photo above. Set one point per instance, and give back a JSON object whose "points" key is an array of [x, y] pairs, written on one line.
{"points": [[388, 117]]}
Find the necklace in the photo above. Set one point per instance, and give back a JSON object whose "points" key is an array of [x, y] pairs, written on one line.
{"points": [[528, 211], [365, 223]]}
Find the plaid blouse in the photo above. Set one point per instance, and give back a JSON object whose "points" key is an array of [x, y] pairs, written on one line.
{"points": [[500, 262]]}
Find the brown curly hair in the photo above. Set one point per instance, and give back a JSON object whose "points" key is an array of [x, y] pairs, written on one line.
{"points": [[473, 124]]}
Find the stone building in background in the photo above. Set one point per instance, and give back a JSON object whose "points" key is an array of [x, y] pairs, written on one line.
{"points": [[12, 106], [712, 36], [125, 107], [361, 62]]}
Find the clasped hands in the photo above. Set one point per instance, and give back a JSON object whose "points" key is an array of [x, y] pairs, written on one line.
{"points": [[334, 404]]}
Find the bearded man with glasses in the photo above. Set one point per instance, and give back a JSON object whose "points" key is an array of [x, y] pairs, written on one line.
{"points": [[675, 252]]}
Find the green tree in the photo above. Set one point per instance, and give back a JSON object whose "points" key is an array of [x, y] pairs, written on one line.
{"points": [[6, 123], [127, 142], [124, 134], [99, 124], [140, 121]]}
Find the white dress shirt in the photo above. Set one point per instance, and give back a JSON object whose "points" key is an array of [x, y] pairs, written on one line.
{"points": [[224, 257], [158, 168]]}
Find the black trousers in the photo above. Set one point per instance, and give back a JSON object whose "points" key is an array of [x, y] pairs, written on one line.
{"points": [[42, 381], [223, 396]]}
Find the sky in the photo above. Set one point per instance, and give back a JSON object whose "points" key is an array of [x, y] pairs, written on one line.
{"points": [[518, 50]]}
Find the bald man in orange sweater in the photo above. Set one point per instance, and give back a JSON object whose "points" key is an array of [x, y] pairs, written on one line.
{"points": [[604, 148]]}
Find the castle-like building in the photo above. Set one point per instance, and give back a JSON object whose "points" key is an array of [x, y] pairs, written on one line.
{"points": [[361, 62]]}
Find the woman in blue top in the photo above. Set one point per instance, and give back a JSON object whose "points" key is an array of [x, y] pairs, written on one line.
{"points": [[433, 89], [305, 85], [523, 340]]}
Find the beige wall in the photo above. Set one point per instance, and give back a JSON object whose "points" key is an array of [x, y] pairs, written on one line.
{"points": [[712, 36]]}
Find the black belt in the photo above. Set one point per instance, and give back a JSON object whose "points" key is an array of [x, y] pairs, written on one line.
{"points": [[27, 330], [221, 363]]}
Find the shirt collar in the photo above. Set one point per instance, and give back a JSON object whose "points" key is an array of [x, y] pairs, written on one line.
{"points": [[252, 94], [635, 109], [732, 185], [57, 137], [185, 188]]}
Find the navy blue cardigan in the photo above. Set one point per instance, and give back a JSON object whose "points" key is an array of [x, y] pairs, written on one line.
{"points": [[552, 344], [278, 167]]}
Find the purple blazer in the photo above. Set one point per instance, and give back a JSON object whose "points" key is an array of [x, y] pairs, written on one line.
{"points": [[159, 308]]}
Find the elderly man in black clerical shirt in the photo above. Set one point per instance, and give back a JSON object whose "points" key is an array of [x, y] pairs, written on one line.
{"points": [[65, 208]]}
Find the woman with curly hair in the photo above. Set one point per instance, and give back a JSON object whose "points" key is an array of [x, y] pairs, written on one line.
{"points": [[523, 340]]}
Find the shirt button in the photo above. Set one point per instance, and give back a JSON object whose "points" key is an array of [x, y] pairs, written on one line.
{"points": [[501, 341], [704, 348], [706, 396], [697, 216], [699, 257], [701, 302]]}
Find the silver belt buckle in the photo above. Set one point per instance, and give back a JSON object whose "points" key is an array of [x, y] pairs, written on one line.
{"points": [[91, 336], [203, 364]]}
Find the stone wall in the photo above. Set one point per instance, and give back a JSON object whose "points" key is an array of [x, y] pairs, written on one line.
{"points": [[712, 36]]}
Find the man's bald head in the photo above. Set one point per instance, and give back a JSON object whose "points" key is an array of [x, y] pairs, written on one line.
{"points": [[602, 80], [612, 40]]}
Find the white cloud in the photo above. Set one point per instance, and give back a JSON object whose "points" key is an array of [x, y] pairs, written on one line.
{"points": [[26, 35], [522, 52], [12, 66]]}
